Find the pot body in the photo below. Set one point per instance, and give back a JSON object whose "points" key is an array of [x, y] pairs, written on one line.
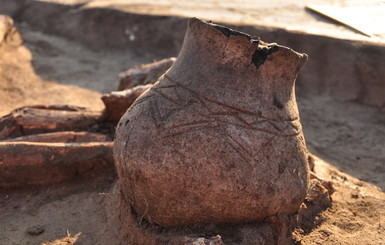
{"points": [[218, 138]]}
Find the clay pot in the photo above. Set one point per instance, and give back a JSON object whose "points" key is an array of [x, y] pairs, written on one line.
{"points": [[218, 138]]}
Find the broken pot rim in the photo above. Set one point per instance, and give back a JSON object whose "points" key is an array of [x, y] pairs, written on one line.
{"points": [[255, 41]]}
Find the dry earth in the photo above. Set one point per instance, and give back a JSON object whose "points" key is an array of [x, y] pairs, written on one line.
{"points": [[53, 70], [349, 138]]}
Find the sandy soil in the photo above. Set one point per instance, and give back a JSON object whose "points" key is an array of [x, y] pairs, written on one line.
{"points": [[52, 70], [288, 14], [65, 214], [20, 85], [348, 137]]}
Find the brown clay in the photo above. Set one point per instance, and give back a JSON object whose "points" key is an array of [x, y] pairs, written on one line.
{"points": [[6, 23], [117, 102], [9, 36], [217, 139], [45, 158], [276, 229], [39, 119], [62, 137], [144, 74], [37, 163]]}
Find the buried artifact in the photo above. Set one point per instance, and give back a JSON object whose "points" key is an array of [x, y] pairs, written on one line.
{"points": [[218, 138]]}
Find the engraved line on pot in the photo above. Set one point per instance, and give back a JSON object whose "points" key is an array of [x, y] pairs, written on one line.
{"points": [[123, 159], [169, 86], [212, 100], [275, 126], [241, 149], [236, 114], [165, 96], [256, 128], [239, 117], [224, 104], [225, 113], [191, 129], [196, 96], [260, 121], [240, 145], [143, 99], [240, 154], [174, 88], [294, 126], [154, 114], [286, 127], [160, 121], [194, 126], [220, 117], [225, 47], [200, 99], [194, 123], [270, 121]]}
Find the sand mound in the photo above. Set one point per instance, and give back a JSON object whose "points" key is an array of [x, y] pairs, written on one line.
{"points": [[19, 83]]}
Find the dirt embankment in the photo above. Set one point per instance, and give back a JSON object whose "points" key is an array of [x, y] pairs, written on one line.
{"points": [[20, 85]]}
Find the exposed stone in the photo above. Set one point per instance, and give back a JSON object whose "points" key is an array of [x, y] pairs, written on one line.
{"points": [[45, 153], [8, 33], [144, 74], [62, 137], [35, 163], [35, 230], [117, 102], [6, 24], [41, 119]]}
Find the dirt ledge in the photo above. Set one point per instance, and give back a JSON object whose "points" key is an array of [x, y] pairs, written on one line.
{"points": [[346, 69]]}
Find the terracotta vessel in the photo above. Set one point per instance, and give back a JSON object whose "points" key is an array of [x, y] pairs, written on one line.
{"points": [[218, 138]]}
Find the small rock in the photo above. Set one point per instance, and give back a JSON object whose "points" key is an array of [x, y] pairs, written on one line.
{"points": [[117, 102], [35, 230], [8, 33], [6, 24], [144, 74]]}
